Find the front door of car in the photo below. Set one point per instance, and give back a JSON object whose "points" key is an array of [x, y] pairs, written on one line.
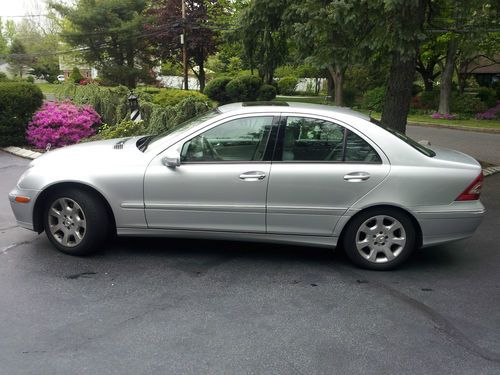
{"points": [[320, 169], [221, 181]]}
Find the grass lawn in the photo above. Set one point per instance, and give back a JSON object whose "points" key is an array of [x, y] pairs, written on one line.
{"points": [[48, 88], [412, 119]]}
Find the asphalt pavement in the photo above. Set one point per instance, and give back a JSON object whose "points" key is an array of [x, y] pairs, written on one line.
{"points": [[163, 306], [482, 146]]}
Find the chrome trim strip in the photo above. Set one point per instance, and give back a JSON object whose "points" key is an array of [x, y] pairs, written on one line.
{"points": [[136, 205], [301, 210], [206, 207]]}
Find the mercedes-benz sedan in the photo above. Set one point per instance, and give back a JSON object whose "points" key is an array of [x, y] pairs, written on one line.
{"points": [[289, 173]]}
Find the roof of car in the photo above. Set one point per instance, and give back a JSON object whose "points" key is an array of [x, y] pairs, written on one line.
{"points": [[291, 107]]}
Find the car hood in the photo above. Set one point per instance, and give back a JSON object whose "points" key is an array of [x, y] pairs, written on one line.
{"points": [[90, 153]]}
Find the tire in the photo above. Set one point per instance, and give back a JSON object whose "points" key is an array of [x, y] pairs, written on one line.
{"points": [[76, 221], [380, 238]]}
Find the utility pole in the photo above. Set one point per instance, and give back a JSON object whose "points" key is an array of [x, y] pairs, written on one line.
{"points": [[184, 46]]}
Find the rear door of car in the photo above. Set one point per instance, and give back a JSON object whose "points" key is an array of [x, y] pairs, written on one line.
{"points": [[320, 168]]}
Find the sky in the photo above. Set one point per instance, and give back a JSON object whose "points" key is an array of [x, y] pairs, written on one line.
{"points": [[9, 8]]}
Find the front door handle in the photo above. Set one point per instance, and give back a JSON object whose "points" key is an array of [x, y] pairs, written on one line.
{"points": [[252, 176], [357, 176]]}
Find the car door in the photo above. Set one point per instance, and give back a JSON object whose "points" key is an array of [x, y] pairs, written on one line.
{"points": [[221, 182], [320, 169]]}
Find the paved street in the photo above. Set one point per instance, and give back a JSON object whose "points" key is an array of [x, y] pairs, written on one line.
{"points": [[483, 146], [163, 306]]}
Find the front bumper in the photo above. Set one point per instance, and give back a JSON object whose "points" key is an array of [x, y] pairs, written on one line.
{"points": [[454, 222], [23, 211]]}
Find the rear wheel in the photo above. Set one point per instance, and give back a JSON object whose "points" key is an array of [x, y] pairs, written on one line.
{"points": [[380, 239], [76, 222]]}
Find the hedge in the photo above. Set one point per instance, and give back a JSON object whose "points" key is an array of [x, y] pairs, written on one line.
{"points": [[18, 103]]}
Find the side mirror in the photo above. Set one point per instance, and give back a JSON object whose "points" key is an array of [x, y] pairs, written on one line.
{"points": [[172, 159]]}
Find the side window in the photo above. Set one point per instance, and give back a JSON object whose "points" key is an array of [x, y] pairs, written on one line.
{"points": [[308, 139], [358, 150], [243, 139]]}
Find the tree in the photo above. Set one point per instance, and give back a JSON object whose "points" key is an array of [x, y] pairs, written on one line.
{"points": [[18, 58], [110, 34], [264, 34], [467, 29], [166, 26]]}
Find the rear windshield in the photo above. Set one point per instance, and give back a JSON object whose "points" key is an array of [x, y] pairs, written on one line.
{"points": [[424, 150]]}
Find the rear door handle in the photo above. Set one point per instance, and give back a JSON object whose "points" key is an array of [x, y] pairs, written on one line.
{"points": [[357, 176], [252, 176]]}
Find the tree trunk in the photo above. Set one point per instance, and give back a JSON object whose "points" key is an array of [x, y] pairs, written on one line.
{"points": [[402, 72], [447, 77], [330, 86], [398, 95], [201, 75], [337, 74]]}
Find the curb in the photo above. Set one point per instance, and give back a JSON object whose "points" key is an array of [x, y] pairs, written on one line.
{"points": [[28, 154], [456, 127], [22, 152]]}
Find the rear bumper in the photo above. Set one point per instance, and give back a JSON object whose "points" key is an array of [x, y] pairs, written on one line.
{"points": [[455, 222], [23, 211]]}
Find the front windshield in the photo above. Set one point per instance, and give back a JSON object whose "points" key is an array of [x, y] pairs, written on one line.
{"points": [[186, 125], [424, 150]]}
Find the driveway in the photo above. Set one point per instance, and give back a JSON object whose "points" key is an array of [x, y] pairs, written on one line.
{"points": [[163, 306], [482, 146]]}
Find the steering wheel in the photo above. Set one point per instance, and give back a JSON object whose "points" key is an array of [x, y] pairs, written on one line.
{"points": [[208, 146]]}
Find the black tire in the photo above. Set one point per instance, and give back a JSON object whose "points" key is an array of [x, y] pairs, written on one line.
{"points": [[97, 223], [382, 261]]}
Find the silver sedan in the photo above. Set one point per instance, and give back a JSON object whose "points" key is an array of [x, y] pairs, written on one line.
{"points": [[288, 173]]}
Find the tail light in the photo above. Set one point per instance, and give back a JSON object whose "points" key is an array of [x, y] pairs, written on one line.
{"points": [[473, 190]]}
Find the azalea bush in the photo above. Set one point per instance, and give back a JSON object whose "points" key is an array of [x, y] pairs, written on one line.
{"points": [[491, 114], [444, 116], [62, 124]]}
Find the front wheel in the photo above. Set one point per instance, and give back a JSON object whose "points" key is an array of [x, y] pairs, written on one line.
{"points": [[380, 239], [76, 222]]}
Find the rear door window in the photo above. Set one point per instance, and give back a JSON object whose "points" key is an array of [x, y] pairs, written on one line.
{"points": [[315, 140]]}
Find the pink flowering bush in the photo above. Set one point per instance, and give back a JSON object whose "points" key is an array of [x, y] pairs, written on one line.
{"points": [[61, 124], [444, 116], [491, 114]]}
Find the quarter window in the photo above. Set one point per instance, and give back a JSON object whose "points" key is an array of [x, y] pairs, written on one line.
{"points": [[243, 139], [308, 139]]}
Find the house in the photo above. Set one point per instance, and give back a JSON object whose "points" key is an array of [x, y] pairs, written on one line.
{"points": [[485, 70], [69, 61]]}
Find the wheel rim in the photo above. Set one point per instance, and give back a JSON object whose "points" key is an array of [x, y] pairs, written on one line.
{"points": [[67, 222], [380, 239]]}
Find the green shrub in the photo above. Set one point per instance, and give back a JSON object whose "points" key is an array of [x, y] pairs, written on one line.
{"points": [[30, 79], [126, 128], [75, 75], [267, 92], [243, 89], [18, 103], [110, 102], [287, 85], [171, 97], [429, 99], [466, 104], [216, 89], [374, 99], [159, 119], [488, 96], [3, 77]]}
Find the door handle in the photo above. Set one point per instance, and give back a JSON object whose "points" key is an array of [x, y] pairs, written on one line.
{"points": [[357, 176], [252, 176]]}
